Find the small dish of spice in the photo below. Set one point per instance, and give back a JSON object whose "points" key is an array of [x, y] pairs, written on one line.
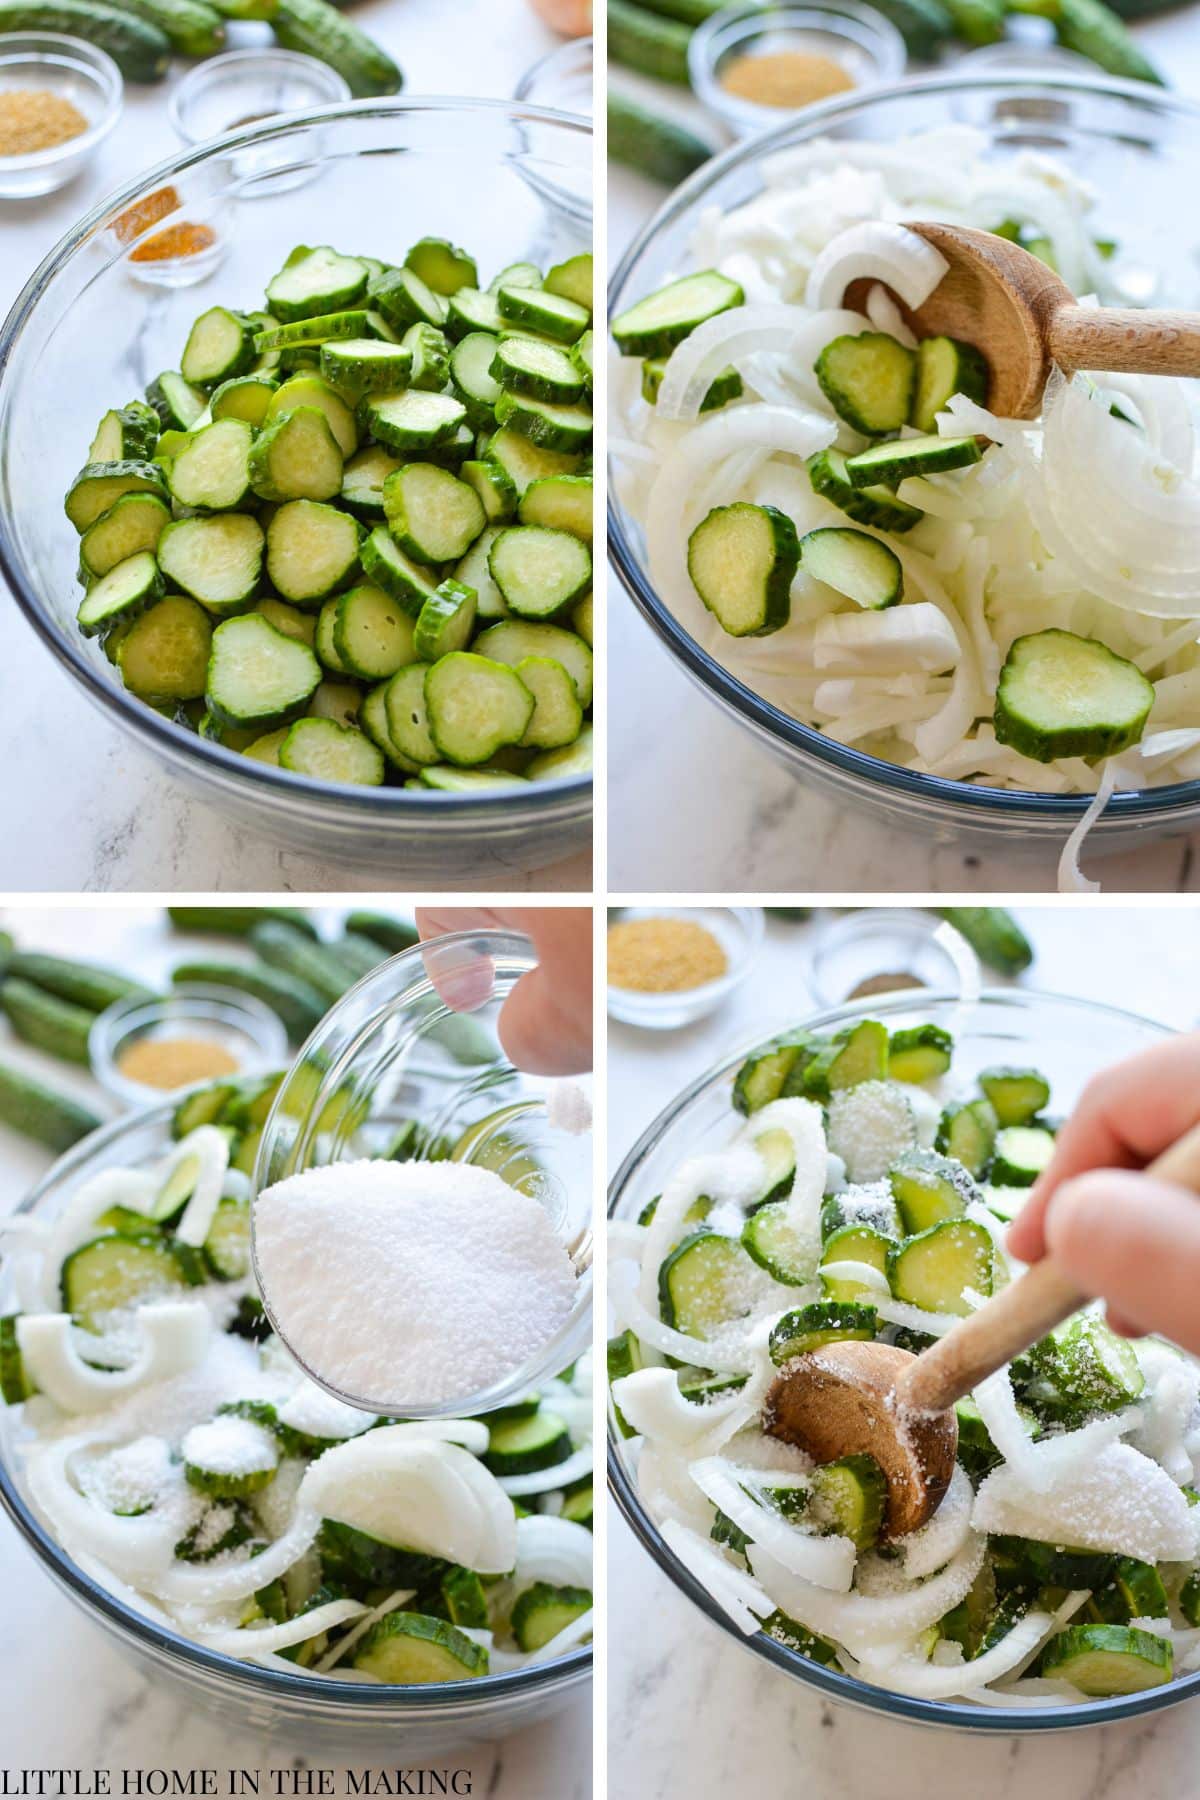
{"points": [[59, 99], [882, 950], [753, 65], [142, 1049], [668, 966]]}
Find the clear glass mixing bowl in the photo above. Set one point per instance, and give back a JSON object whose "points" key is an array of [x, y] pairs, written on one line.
{"points": [[369, 1722], [392, 1058], [1138, 148], [1068, 1040], [508, 180]]}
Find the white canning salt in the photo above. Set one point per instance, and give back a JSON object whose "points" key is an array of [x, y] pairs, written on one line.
{"points": [[410, 1282], [568, 1108]]}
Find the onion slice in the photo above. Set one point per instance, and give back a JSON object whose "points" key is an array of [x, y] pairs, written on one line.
{"points": [[175, 1335], [875, 250]]}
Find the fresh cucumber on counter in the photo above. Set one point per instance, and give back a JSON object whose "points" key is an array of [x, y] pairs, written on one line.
{"points": [[191, 27], [37, 1112], [391, 935], [648, 42], [317, 29], [238, 921], [659, 147], [993, 934], [299, 1006], [140, 50], [353, 534], [80, 983], [56, 1026]]}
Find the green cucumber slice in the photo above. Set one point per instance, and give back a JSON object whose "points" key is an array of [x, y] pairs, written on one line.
{"points": [[868, 380], [892, 462], [1063, 695], [855, 564], [653, 326], [742, 560]]}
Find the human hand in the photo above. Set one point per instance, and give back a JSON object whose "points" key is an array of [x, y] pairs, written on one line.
{"points": [[1124, 1236], [546, 1022]]}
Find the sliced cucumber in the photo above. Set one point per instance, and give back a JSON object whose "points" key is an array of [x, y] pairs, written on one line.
{"points": [[742, 560], [560, 765], [471, 373], [933, 1269], [653, 326], [522, 1445], [946, 367], [213, 472], [404, 299], [1081, 1371], [763, 1075], [859, 1244], [113, 1273], [163, 656], [475, 706], [220, 345], [256, 675], [540, 572], [928, 1188], [331, 752], [310, 390], [317, 281], [433, 516], [513, 639], [441, 265], [967, 1131], [553, 315], [408, 717], [177, 403], [472, 309], [919, 1053], [127, 433], [410, 1649], [445, 622], [1021, 1153], [806, 1328], [496, 489], [1108, 1659], [703, 1284], [1063, 695], [852, 1057], [561, 502], [849, 1497], [430, 352], [868, 380], [403, 580], [724, 387], [289, 619], [892, 462], [244, 397], [373, 636], [525, 462], [413, 420], [362, 365], [126, 590], [545, 423], [855, 564], [296, 457], [323, 328], [574, 279], [557, 716], [311, 550], [98, 486], [133, 523], [542, 1611], [542, 371], [217, 560], [876, 506], [777, 1241], [336, 700], [1016, 1095], [363, 479]]}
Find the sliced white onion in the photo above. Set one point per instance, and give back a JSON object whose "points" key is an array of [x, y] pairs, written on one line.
{"points": [[736, 1593], [891, 642], [136, 1549], [872, 1280], [174, 1337], [651, 1402], [1167, 1407], [1118, 1501], [933, 1544], [540, 1481], [651, 1330], [554, 1550], [927, 1681], [790, 331], [132, 1188], [729, 1177], [261, 1640], [210, 1584], [873, 250], [210, 1147], [345, 1644], [828, 1562], [865, 1621]]}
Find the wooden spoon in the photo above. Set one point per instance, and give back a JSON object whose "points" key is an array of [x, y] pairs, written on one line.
{"points": [[1024, 318], [852, 1398]]}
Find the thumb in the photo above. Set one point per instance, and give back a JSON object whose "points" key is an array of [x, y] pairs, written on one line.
{"points": [[542, 1032], [1135, 1243]]}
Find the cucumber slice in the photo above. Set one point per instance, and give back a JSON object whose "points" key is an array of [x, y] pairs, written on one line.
{"points": [[475, 706], [560, 502], [413, 420], [849, 1059], [212, 473], [471, 372], [553, 315], [557, 716], [433, 516], [854, 1243], [217, 560], [521, 1446], [336, 700], [409, 1649], [126, 590], [762, 1076], [578, 1506], [363, 479], [1081, 1371], [163, 656], [331, 752], [518, 274], [133, 523], [1135, 1591], [98, 486], [703, 1284], [1016, 1095], [127, 433], [527, 366], [256, 675], [542, 1611], [742, 560], [408, 716], [472, 309], [778, 1243], [310, 390], [855, 564], [430, 352], [220, 344], [540, 572], [551, 427], [868, 380], [229, 1458], [473, 572], [445, 622], [245, 397], [385, 564], [311, 550], [653, 326], [513, 639], [892, 462], [806, 1328], [574, 279], [919, 1053], [15, 1384], [933, 1269], [849, 1497], [296, 457], [778, 1152], [583, 352], [1108, 1659], [113, 1273], [324, 328], [559, 765], [289, 619], [946, 367], [967, 1131], [876, 506], [177, 403], [362, 365], [464, 1598], [1063, 695], [404, 299], [441, 265], [928, 1188], [525, 462], [323, 638], [315, 281], [1020, 1155], [496, 489], [372, 634], [724, 387], [227, 1246]]}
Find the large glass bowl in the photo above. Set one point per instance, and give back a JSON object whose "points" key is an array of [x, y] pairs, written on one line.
{"points": [[1138, 148], [88, 331], [368, 1721], [1067, 1039]]}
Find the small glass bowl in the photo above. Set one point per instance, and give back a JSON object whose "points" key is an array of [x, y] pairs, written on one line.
{"points": [[75, 71], [891, 940], [250, 1031], [563, 79], [858, 38], [392, 1062], [246, 87], [738, 930]]}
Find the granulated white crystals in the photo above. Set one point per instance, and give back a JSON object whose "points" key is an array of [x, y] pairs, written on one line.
{"points": [[410, 1282]]}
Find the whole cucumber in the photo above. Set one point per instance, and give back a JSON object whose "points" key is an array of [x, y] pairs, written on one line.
{"points": [[238, 921], [83, 984], [191, 27], [652, 45], [297, 1004], [653, 145], [293, 954], [39, 1113], [42, 1019], [1093, 30], [317, 29], [977, 21], [993, 934], [141, 51], [390, 934], [923, 24]]}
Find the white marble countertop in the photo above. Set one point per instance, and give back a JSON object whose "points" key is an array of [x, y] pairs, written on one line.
{"points": [[69, 1699], [689, 1711], [691, 796], [82, 810]]}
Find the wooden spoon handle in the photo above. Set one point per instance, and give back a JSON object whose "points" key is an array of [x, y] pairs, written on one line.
{"points": [[1124, 338], [1020, 1314]]}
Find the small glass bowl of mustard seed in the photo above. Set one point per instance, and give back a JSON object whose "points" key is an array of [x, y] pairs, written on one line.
{"points": [[753, 65], [671, 965], [59, 99], [884, 949], [142, 1049]]}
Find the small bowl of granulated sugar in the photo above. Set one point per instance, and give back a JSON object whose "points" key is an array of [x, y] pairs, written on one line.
{"points": [[59, 99], [424, 1288], [668, 966]]}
